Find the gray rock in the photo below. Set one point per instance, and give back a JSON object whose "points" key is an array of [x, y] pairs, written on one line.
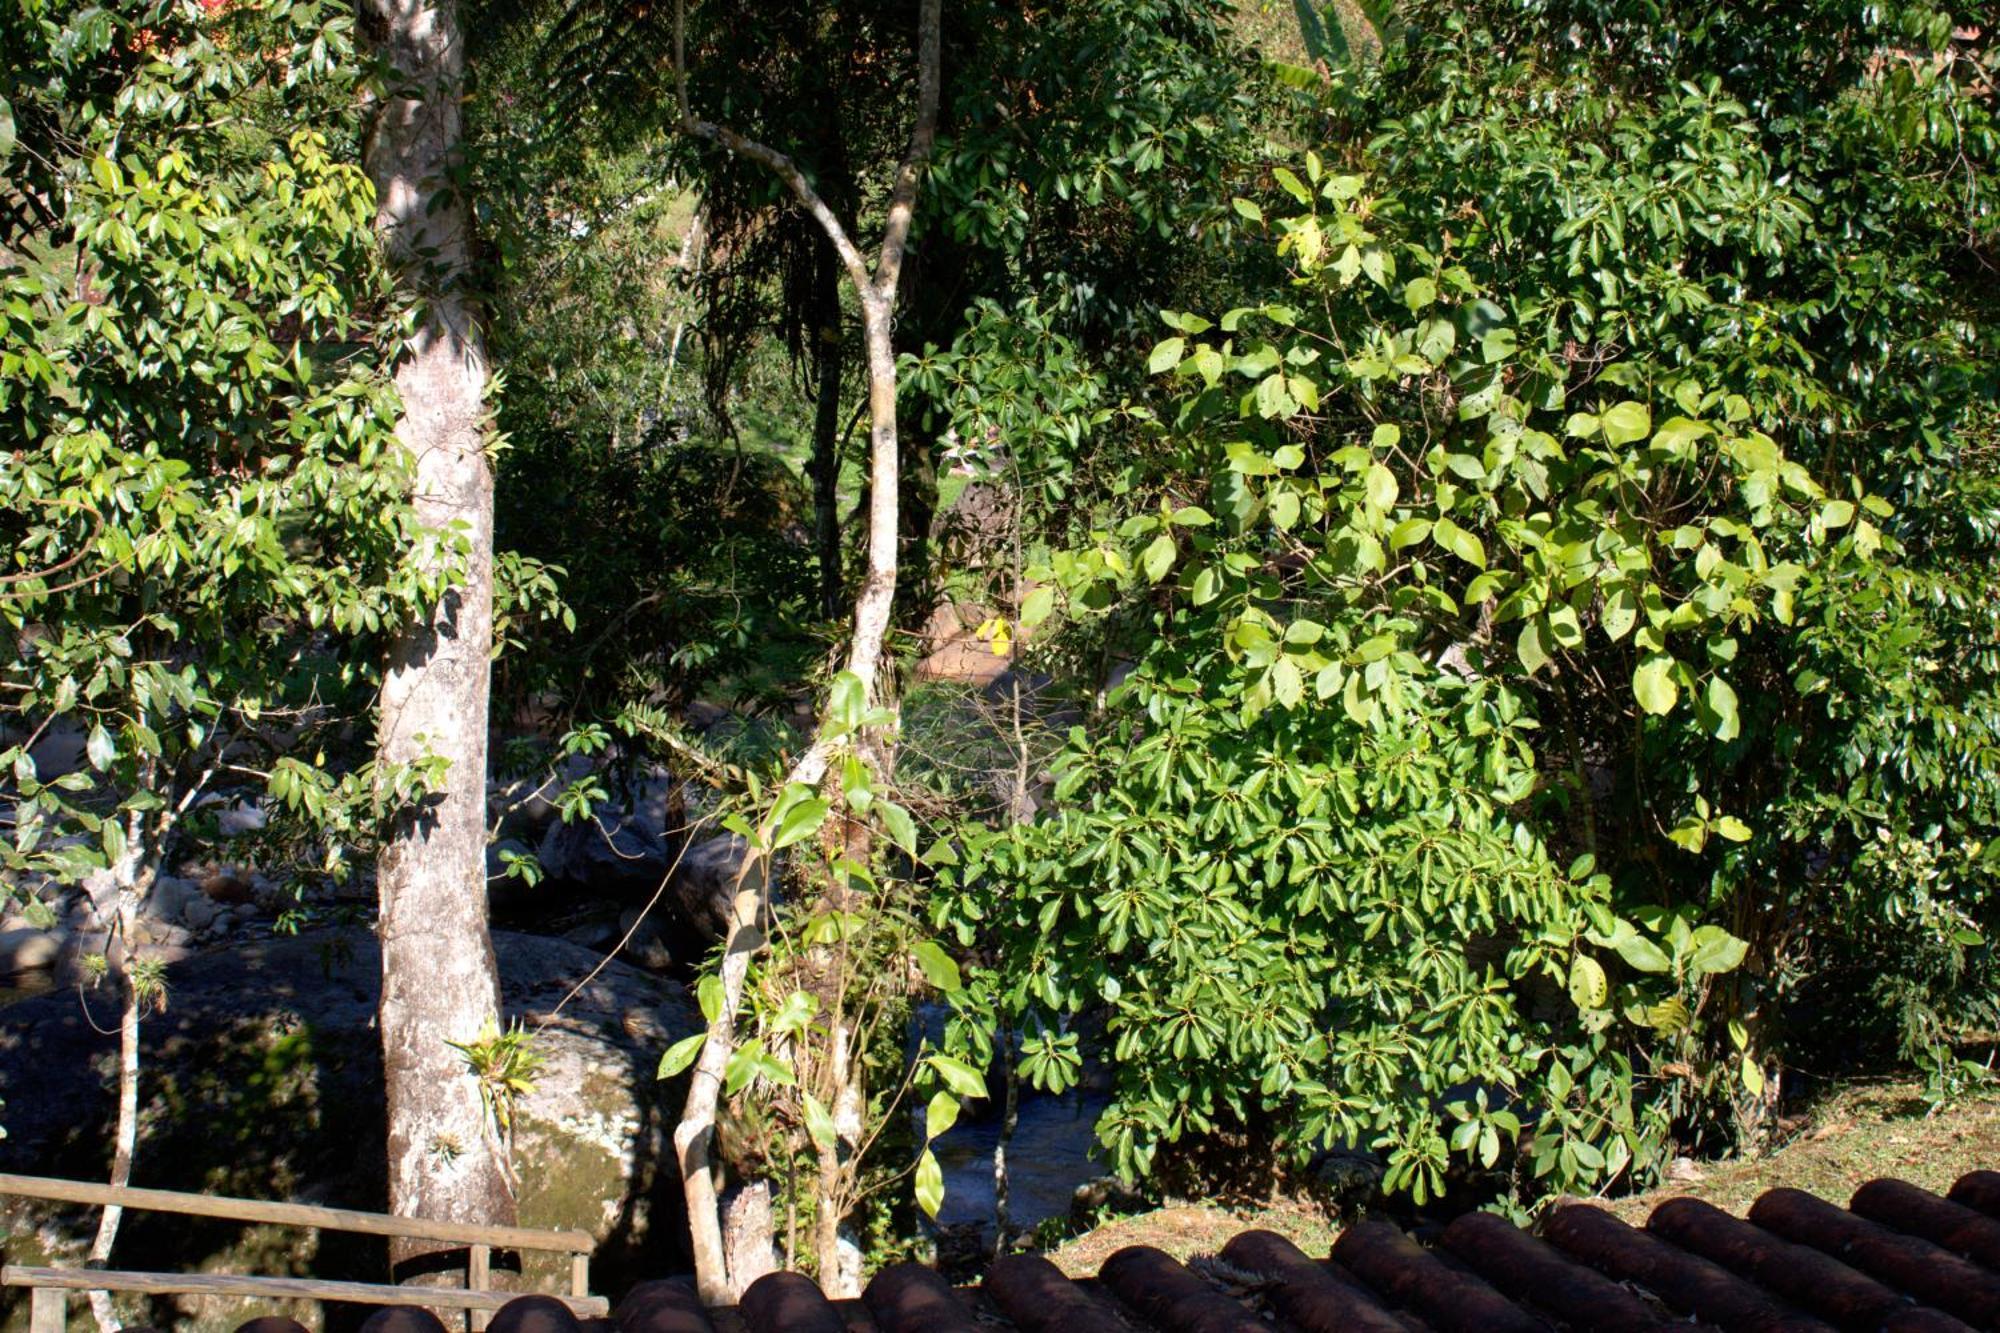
{"points": [[599, 935], [27, 949], [169, 898], [646, 946], [200, 912], [240, 818], [705, 881]]}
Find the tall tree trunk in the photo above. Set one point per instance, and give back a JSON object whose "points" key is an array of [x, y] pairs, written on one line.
{"points": [[438, 977], [828, 364], [133, 875], [876, 290]]}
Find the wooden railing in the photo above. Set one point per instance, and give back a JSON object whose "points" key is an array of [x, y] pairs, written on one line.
{"points": [[48, 1288]]}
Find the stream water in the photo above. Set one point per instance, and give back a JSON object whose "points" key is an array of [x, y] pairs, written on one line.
{"points": [[23, 985], [1047, 1159]]}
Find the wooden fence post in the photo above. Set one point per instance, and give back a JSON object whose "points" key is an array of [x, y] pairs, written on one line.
{"points": [[48, 1310], [479, 1277]]}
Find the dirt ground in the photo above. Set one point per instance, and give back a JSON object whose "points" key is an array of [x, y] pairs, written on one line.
{"points": [[1848, 1138]]}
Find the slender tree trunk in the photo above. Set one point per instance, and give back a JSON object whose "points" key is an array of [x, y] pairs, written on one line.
{"points": [[876, 290], [133, 876], [438, 976], [829, 364]]}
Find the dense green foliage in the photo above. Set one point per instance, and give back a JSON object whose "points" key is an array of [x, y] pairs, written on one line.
{"points": [[1492, 509], [202, 498], [1576, 496]]}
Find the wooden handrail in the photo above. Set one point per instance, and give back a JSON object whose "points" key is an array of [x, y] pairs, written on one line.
{"points": [[298, 1215], [274, 1288]]}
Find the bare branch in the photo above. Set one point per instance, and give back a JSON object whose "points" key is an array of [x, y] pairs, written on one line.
{"points": [[779, 164], [903, 195]]}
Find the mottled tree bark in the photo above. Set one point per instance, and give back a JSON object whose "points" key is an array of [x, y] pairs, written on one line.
{"points": [[828, 367], [438, 978]]}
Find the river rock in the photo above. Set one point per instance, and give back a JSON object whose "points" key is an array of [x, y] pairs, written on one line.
{"points": [[26, 949], [169, 897], [200, 912], [262, 1079]]}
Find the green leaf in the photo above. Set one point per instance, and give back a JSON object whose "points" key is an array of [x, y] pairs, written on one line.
{"points": [[710, 995], [1419, 292], [959, 1076], [1732, 828], [1459, 542], [1158, 557], [1653, 684], [1588, 986], [929, 1184], [1621, 612], [1534, 654], [6, 131], [1721, 700], [1381, 487], [847, 700], [819, 1126], [1641, 953], [1626, 422], [1711, 949], [938, 967], [1037, 605], [801, 821], [902, 829], [100, 748], [1166, 355], [1290, 185], [1193, 516], [1753, 1077], [681, 1054], [940, 1115], [1287, 685]]}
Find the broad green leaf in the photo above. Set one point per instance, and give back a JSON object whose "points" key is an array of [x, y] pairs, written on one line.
{"points": [[801, 821], [1037, 605], [929, 1184], [1732, 828], [1166, 355], [1621, 612], [901, 828], [681, 1054], [1711, 949], [100, 748], [1528, 645], [710, 994], [1653, 684], [1158, 557], [1626, 422], [959, 1076], [1721, 700], [1753, 1077], [1588, 986], [819, 1125], [1459, 542], [1381, 487], [940, 1115], [1642, 954], [938, 967], [1287, 685]]}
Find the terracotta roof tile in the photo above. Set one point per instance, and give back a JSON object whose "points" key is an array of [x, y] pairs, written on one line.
{"points": [[1900, 1260]]}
